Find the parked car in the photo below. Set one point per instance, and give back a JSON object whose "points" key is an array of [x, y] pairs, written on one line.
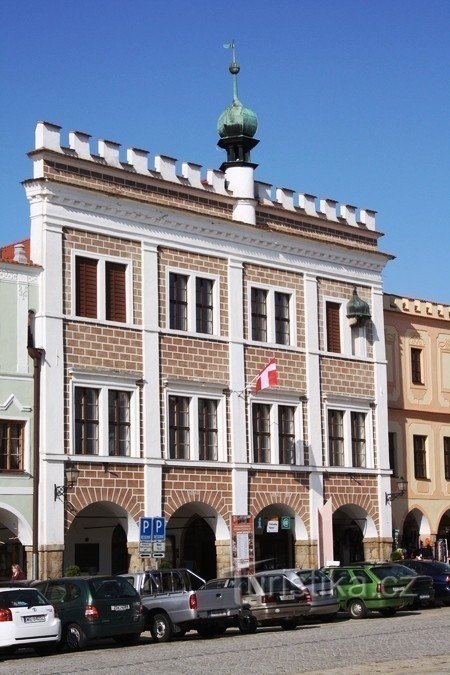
{"points": [[95, 607], [438, 571], [27, 619], [324, 600], [384, 587], [270, 598], [175, 602]]}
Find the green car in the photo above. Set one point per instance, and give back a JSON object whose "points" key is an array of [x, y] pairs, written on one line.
{"points": [[95, 607], [384, 587]]}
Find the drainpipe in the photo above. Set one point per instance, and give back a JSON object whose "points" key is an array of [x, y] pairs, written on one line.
{"points": [[36, 355]]}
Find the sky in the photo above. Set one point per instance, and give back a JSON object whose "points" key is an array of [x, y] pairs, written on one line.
{"points": [[352, 99]]}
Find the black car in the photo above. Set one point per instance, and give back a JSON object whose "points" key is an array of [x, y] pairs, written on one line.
{"points": [[95, 607], [440, 573]]}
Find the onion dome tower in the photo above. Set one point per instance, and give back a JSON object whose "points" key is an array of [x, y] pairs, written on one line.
{"points": [[237, 126]]}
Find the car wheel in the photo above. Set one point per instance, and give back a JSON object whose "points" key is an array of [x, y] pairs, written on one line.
{"points": [[46, 649], [161, 628], [75, 638], [129, 639], [388, 611], [357, 609], [247, 623], [289, 624]]}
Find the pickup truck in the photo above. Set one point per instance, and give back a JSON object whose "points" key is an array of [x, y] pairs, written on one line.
{"points": [[174, 604]]}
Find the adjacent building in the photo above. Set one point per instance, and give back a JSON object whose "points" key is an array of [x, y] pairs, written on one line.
{"points": [[418, 351], [18, 301]]}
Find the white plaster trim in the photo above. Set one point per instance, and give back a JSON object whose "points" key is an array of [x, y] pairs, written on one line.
{"points": [[13, 399]]}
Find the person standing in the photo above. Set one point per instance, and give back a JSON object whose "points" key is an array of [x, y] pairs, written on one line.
{"points": [[17, 573]]}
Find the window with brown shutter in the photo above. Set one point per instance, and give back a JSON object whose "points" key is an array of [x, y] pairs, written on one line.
{"points": [[333, 327], [115, 281], [86, 287]]}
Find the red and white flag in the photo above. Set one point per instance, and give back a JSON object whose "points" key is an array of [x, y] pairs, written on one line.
{"points": [[268, 377]]}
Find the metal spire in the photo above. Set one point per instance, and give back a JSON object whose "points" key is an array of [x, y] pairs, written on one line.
{"points": [[234, 69]]}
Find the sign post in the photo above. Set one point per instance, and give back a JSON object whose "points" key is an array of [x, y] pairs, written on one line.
{"points": [[152, 537]]}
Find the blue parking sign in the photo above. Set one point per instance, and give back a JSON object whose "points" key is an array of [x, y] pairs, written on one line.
{"points": [[159, 529], [152, 529], [145, 529]]}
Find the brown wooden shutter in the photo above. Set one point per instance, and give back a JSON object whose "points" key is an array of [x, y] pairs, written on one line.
{"points": [[86, 287], [333, 327], [116, 306]]}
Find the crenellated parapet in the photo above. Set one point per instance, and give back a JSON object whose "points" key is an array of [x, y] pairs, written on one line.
{"points": [[416, 307], [135, 160]]}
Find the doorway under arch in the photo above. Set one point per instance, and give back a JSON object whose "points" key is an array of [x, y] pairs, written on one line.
{"points": [[349, 527], [198, 548], [275, 527]]}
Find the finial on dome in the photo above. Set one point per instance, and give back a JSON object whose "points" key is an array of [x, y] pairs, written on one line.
{"points": [[234, 68]]}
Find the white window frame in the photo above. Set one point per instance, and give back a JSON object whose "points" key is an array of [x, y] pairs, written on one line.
{"points": [[26, 442], [104, 384], [353, 338], [274, 401], [271, 330], [101, 287], [191, 301], [347, 407], [195, 391]]}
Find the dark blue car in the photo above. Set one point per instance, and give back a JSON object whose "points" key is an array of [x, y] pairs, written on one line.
{"points": [[440, 573]]}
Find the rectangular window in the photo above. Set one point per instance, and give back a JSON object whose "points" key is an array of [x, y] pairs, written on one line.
{"points": [[207, 429], [115, 281], [447, 457], [420, 457], [282, 321], [259, 314], [333, 327], [393, 452], [336, 437], [86, 421], [119, 423], [178, 301], [204, 305], [11, 445], [261, 433], [86, 287], [286, 434], [416, 366], [358, 421], [178, 427]]}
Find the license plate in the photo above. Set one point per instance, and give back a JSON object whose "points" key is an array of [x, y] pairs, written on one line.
{"points": [[287, 597], [398, 589], [424, 597], [325, 592], [217, 614], [40, 618], [119, 608]]}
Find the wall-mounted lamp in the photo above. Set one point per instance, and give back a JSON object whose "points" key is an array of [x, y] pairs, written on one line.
{"points": [[71, 474], [402, 485], [358, 310]]}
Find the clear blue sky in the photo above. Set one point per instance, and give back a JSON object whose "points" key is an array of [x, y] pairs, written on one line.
{"points": [[352, 96]]}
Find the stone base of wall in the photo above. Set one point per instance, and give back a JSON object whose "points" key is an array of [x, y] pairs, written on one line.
{"points": [[306, 553], [51, 561], [136, 563], [377, 549], [223, 557]]}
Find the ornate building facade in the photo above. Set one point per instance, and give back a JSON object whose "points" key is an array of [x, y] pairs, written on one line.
{"points": [[165, 292]]}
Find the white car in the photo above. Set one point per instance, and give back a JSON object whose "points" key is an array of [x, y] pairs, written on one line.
{"points": [[27, 620]]}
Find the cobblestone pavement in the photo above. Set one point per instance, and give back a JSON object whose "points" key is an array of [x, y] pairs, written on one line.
{"points": [[413, 642]]}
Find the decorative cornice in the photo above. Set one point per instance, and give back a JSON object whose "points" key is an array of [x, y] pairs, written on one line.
{"points": [[169, 227]]}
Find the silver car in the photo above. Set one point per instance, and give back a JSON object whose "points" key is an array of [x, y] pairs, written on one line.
{"points": [[324, 600], [271, 598]]}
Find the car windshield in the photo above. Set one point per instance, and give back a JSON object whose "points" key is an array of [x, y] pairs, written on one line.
{"points": [[396, 571], [23, 598], [112, 588], [310, 577]]}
